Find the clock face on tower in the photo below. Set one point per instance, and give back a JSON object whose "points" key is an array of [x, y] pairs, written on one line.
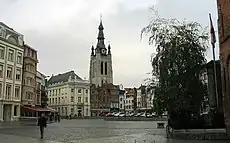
{"points": [[103, 51]]}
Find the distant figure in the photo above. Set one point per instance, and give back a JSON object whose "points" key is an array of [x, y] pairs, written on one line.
{"points": [[55, 118], [58, 116], [42, 124]]}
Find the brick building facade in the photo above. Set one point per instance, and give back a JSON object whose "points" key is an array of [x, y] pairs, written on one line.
{"points": [[224, 40], [103, 99]]}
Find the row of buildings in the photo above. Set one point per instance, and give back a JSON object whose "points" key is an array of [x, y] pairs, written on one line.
{"points": [[22, 87], [69, 94], [25, 92]]}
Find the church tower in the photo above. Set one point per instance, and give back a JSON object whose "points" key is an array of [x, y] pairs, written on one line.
{"points": [[101, 70]]}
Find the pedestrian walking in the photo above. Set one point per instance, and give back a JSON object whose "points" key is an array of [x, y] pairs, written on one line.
{"points": [[42, 124], [58, 116]]}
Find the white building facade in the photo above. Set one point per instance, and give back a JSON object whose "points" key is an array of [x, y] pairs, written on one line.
{"points": [[11, 63], [139, 103], [129, 104], [145, 96], [69, 94]]}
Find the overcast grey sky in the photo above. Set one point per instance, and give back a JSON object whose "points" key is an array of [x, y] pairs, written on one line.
{"points": [[63, 31]]}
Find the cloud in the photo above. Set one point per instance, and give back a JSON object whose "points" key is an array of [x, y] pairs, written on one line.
{"points": [[63, 31]]}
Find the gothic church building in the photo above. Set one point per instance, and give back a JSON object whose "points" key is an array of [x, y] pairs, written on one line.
{"points": [[101, 70], [103, 94]]}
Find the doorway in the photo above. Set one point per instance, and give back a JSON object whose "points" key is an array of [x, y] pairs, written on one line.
{"points": [[7, 112]]}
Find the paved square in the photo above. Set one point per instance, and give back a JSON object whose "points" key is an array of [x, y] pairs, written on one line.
{"points": [[91, 131]]}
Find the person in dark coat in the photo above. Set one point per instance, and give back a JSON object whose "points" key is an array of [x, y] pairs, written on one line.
{"points": [[58, 116], [42, 124]]}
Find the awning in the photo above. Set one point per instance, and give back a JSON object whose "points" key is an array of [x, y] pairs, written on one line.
{"points": [[52, 110], [35, 109]]}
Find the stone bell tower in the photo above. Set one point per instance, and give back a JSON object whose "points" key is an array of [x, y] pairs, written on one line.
{"points": [[101, 70]]}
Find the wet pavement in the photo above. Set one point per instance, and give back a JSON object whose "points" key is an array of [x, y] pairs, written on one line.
{"points": [[91, 131]]}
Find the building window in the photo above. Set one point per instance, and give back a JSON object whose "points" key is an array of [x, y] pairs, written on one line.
{"points": [[1, 70], [15, 110], [8, 91], [10, 55], [19, 58], [79, 91], [66, 110], [29, 95], [28, 52], [55, 100], [30, 67], [86, 91], [9, 72], [72, 90], [79, 99], [72, 99], [86, 112], [2, 52], [86, 99], [29, 81], [105, 68], [18, 74], [17, 92], [102, 68]]}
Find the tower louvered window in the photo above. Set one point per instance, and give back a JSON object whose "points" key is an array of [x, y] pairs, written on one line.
{"points": [[102, 68], [105, 68]]}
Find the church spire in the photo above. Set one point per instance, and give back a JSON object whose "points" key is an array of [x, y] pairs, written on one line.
{"points": [[92, 51], [101, 33], [100, 38], [109, 49]]}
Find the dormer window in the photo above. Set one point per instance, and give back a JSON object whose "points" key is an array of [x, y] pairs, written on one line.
{"points": [[12, 40]]}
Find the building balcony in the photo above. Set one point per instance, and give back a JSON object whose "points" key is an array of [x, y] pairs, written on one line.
{"points": [[31, 58], [80, 103]]}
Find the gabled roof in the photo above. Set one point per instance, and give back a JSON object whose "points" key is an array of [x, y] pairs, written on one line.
{"points": [[6, 26], [64, 77]]}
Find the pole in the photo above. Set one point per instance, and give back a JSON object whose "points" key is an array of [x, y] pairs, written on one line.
{"points": [[215, 78]]}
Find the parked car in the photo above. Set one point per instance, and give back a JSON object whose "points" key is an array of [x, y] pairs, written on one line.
{"points": [[109, 114], [149, 115], [137, 115], [143, 115], [121, 115], [117, 114], [131, 114]]}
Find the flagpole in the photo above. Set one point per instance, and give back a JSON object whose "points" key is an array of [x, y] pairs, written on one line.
{"points": [[215, 78], [213, 41]]}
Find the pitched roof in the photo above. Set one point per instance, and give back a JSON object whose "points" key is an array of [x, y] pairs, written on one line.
{"points": [[6, 26], [64, 77]]}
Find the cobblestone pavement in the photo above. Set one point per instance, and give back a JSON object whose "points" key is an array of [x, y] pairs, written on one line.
{"points": [[91, 131]]}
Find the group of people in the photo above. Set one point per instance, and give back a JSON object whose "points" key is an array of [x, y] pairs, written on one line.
{"points": [[42, 122]]}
